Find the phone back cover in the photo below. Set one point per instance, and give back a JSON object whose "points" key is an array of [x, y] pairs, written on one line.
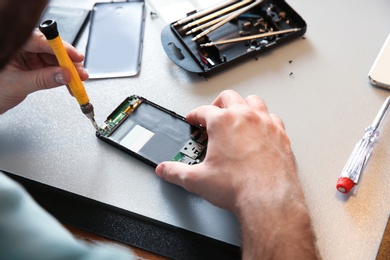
{"points": [[115, 39]]}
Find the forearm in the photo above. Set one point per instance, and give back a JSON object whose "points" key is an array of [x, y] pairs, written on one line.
{"points": [[276, 227]]}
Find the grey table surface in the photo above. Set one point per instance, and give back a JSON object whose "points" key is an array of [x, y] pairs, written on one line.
{"points": [[325, 104]]}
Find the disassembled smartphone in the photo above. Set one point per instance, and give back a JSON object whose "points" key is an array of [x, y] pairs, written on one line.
{"points": [[379, 74], [152, 133]]}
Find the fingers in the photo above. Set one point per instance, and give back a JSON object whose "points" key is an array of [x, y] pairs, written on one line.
{"points": [[176, 173], [198, 115], [256, 103], [74, 55], [227, 99], [82, 71], [52, 61], [38, 44], [277, 120], [51, 77], [45, 78]]}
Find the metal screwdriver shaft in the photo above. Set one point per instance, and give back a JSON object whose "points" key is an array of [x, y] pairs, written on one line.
{"points": [[247, 38]]}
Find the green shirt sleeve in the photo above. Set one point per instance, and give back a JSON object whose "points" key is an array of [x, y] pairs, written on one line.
{"points": [[29, 232]]}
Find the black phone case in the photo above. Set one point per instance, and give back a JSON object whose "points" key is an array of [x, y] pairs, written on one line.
{"points": [[187, 54]]}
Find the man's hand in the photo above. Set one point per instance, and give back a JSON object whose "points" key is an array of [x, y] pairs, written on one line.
{"points": [[247, 149], [249, 169], [34, 67]]}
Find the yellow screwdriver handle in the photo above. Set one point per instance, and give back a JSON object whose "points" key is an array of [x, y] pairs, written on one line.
{"points": [[49, 29]]}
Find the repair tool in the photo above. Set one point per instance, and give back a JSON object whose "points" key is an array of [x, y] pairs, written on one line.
{"points": [[248, 38], [204, 12], [349, 177], [217, 13], [228, 19], [206, 25], [49, 29]]}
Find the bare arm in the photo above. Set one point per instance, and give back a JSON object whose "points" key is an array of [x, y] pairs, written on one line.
{"points": [[275, 223], [250, 170]]}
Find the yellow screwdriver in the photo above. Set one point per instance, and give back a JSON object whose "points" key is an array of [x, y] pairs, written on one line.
{"points": [[49, 29]]}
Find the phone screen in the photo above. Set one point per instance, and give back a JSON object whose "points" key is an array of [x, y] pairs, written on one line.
{"points": [[152, 133], [115, 39]]}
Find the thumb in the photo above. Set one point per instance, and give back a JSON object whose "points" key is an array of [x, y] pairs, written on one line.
{"points": [[177, 173], [46, 78]]}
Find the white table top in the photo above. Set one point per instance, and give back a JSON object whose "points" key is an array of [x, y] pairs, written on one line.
{"points": [[325, 104]]}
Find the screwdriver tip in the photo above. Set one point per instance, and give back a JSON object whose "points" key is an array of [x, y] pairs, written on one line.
{"points": [[94, 124]]}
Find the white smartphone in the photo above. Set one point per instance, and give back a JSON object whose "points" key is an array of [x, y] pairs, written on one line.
{"points": [[379, 74]]}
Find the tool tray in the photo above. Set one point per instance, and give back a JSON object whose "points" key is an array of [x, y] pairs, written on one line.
{"points": [[267, 16]]}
